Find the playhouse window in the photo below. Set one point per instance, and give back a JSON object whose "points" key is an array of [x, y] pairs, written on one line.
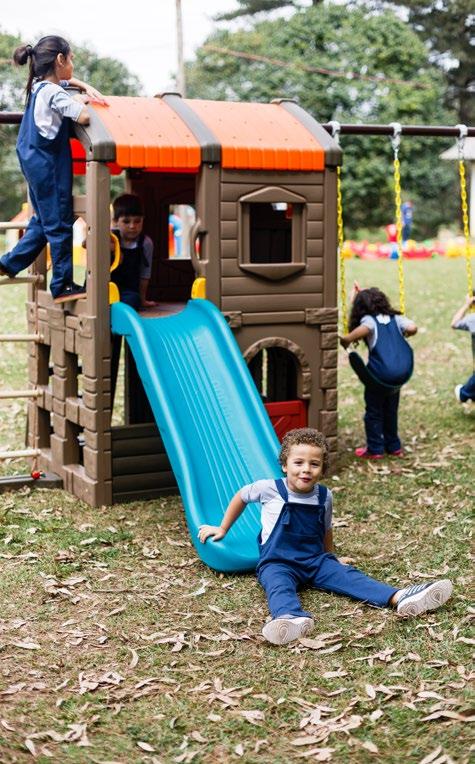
{"points": [[271, 227], [275, 370], [181, 219], [270, 232]]}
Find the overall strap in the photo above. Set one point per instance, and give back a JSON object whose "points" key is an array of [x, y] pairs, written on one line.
{"points": [[322, 494], [280, 485]]}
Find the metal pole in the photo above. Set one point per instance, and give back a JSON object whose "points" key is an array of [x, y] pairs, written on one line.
{"points": [[180, 78]]}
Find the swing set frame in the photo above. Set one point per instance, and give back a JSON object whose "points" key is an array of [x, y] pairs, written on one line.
{"points": [[394, 131]]}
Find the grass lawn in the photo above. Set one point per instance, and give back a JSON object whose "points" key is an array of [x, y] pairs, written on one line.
{"points": [[118, 645]]}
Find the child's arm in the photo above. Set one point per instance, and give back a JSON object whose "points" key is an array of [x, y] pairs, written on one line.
{"points": [[469, 301], [357, 334], [328, 545], [143, 286], [217, 532], [88, 90]]}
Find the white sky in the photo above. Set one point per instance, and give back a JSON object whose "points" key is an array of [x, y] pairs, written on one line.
{"points": [[140, 33]]}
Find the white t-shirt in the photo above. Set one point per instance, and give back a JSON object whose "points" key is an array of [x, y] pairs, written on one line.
{"points": [[382, 318], [52, 104], [266, 494]]}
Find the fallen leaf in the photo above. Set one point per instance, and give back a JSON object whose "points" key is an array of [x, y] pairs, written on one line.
{"points": [[431, 756], [135, 657], [145, 746], [27, 645]]}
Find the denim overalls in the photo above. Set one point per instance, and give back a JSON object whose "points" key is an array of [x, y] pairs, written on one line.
{"points": [[46, 165], [391, 360], [127, 273], [293, 556]]}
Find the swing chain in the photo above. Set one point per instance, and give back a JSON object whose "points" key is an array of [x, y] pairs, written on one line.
{"points": [[464, 205], [395, 142], [335, 128]]}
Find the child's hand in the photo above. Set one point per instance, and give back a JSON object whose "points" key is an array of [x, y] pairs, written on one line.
{"points": [[149, 304], [95, 95], [344, 342], [215, 531]]}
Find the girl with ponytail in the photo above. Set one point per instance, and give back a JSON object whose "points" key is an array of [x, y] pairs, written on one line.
{"points": [[44, 154]]}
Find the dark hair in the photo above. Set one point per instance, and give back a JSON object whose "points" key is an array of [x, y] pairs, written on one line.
{"points": [[305, 436], [42, 57], [370, 302], [126, 204]]}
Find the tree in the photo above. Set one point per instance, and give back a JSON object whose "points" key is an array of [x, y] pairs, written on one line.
{"points": [[448, 26], [107, 74], [377, 71], [253, 7]]}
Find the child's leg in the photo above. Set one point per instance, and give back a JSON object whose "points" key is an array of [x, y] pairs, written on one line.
{"points": [[280, 585], [373, 421], [392, 442], [25, 252], [467, 391], [333, 576], [54, 207]]}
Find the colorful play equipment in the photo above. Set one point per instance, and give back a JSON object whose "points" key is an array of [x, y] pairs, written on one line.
{"points": [[262, 250]]}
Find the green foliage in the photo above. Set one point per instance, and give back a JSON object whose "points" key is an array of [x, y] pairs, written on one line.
{"points": [[109, 75], [448, 28], [379, 72]]}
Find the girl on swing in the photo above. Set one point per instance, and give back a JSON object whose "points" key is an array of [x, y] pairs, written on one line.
{"points": [[390, 364]]}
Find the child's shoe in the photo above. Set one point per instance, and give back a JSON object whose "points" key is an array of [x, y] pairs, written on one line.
{"points": [[398, 452], [415, 600], [72, 292], [363, 453], [457, 390], [280, 631], [5, 272]]}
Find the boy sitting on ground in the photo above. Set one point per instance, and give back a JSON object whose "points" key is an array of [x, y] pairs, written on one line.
{"points": [[296, 544]]}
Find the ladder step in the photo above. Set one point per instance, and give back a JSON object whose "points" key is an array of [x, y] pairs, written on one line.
{"points": [[38, 278], [20, 337], [20, 393], [8, 226], [25, 454]]}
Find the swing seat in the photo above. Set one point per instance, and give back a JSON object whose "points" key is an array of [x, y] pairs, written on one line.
{"points": [[368, 378]]}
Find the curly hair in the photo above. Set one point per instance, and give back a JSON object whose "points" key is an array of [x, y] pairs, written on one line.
{"points": [[370, 302], [306, 436]]}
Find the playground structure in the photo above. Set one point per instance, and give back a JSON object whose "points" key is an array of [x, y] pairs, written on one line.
{"points": [[264, 240]]}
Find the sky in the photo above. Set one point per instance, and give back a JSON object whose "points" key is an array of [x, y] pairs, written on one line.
{"points": [[140, 33]]}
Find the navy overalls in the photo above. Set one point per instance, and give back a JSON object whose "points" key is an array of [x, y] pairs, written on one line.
{"points": [[127, 273], [47, 166], [293, 556], [392, 361]]}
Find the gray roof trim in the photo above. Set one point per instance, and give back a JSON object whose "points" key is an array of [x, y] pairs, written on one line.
{"points": [[96, 139], [210, 146], [333, 153]]}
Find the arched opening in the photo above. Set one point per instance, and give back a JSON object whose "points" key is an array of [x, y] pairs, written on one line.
{"points": [[282, 376]]}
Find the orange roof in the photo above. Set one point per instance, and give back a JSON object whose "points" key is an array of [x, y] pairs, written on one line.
{"points": [[148, 133], [260, 136]]}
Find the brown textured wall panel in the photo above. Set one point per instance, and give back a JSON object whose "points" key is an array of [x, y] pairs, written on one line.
{"points": [[271, 303], [249, 286], [229, 229], [328, 378]]}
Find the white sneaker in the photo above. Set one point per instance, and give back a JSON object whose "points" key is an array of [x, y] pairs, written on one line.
{"points": [[280, 631], [457, 390], [415, 600]]}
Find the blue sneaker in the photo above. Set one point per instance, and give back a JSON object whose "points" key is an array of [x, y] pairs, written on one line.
{"points": [[415, 600]]}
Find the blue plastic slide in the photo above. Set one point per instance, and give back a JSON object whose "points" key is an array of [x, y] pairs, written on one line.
{"points": [[214, 426]]}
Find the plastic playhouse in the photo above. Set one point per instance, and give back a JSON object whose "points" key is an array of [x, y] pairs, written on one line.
{"points": [[260, 180]]}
